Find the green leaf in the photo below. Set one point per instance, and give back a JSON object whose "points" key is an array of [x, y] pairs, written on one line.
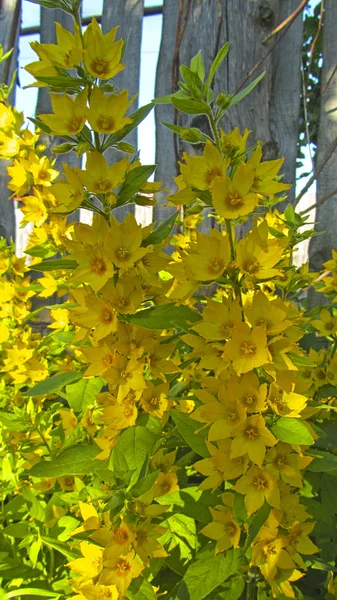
{"points": [[133, 182], [12, 422], [197, 65], [187, 428], [181, 534], [162, 232], [53, 384], [35, 508], [205, 575], [166, 316], [324, 462], [191, 502], [77, 460], [300, 361], [82, 394], [38, 123], [32, 591], [216, 63], [327, 391], [190, 106], [255, 525], [62, 81], [61, 547], [144, 484], [131, 450], [192, 81], [17, 530], [247, 90], [292, 431], [53, 265], [232, 589], [140, 589], [41, 251]]}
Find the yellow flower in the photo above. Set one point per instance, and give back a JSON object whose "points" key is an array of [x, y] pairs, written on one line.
{"points": [[69, 114], [66, 53], [9, 145], [252, 437], [120, 570], [327, 325], [265, 177], [101, 359], [98, 313], [223, 529], [102, 55], [126, 296], [107, 112], [248, 391], [286, 464], [95, 267], [34, 209], [208, 257], [218, 319], [146, 541], [4, 333], [89, 591], [233, 144], [270, 554], [220, 467], [125, 375], [98, 177], [232, 197], [61, 318], [266, 313], [248, 348], [166, 483], [21, 178], [92, 564], [286, 403], [7, 117], [125, 242], [258, 486], [120, 415], [201, 171], [154, 399], [41, 170], [68, 195], [257, 256]]}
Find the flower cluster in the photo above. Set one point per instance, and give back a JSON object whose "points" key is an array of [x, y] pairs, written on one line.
{"points": [[171, 424]]}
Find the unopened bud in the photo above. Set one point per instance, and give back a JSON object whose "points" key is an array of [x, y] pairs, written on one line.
{"points": [[125, 147], [82, 148], [62, 148]]}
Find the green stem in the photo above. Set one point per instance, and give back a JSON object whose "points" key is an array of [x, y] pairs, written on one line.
{"points": [[52, 563], [97, 141], [251, 590], [44, 441], [214, 130], [230, 238]]}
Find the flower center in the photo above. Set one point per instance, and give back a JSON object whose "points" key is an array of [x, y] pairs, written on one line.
{"points": [[260, 483], [121, 536], [249, 399], [123, 567], [212, 174], [108, 360], [122, 253], [216, 266], [75, 124], [100, 66], [248, 349], [102, 185], [98, 266], [251, 266], [251, 433], [107, 316], [235, 199], [105, 122]]}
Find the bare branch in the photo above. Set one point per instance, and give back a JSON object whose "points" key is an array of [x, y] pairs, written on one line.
{"points": [[319, 203], [286, 21]]}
